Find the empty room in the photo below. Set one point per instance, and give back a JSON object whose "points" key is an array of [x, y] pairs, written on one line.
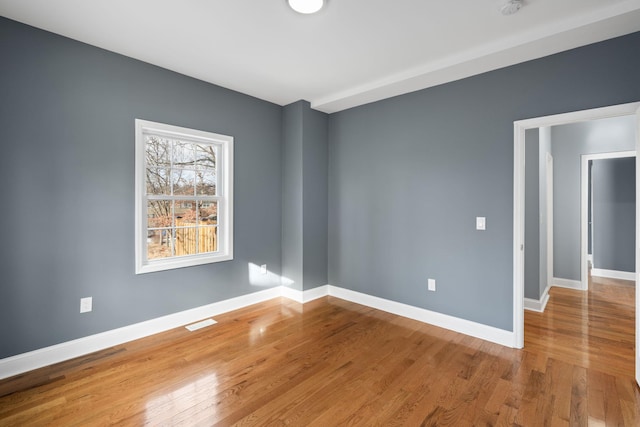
{"points": [[320, 213]]}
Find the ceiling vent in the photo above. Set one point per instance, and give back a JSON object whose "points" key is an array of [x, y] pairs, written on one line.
{"points": [[510, 7]]}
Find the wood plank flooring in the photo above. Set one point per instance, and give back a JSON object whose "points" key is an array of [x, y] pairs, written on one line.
{"points": [[332, 362]]}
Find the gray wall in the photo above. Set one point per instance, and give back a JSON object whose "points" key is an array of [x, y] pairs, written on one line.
{"points": [[568, 143], [614, 214], [532, 215], [292, 221], [67, 115], [304, 198], [408, 175], [315, 191], [537, 145]]}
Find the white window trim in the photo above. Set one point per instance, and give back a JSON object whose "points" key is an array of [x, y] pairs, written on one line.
{"points": [[224, 187]]}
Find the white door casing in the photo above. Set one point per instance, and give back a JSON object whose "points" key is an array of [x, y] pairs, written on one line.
{"points": [[584, 207], [637, 246], [549, 276], [520, 127]]}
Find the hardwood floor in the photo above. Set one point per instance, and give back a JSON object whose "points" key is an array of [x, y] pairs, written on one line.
{"points": [[332, 362], [594, 329]]}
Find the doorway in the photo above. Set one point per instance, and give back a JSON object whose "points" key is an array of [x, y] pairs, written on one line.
{"points": [[519, 209], [603, 267]]}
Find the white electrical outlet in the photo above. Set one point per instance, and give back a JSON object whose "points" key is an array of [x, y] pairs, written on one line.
{"points": [[86, 304], [263, 269], [481, 223], [432, 284]]}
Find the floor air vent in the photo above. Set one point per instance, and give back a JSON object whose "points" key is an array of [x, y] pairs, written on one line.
{"points": [[201, 324]]}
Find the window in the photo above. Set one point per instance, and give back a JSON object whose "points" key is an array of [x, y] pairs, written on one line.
{"points": [[184, 197]]}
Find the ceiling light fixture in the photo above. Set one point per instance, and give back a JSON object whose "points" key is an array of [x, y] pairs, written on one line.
{"points": [[511, 7], [306, 6]]}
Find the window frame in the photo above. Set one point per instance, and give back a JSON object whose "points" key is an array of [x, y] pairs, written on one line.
{"points": [[223, 197]]}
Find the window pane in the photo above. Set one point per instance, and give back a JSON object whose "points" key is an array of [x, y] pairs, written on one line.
{"points": [[185, 211], [206, 183], [186, 241], [183, 155], [207, 213], [206, 156], [183, 197], [157, 151], [159, 213], [159, 243], [196, 240], [207, 239], [183, 182], [158, 181]]}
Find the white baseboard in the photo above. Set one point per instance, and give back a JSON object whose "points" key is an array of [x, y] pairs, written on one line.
{"points": [[305, 296], [567, 283], [467, 327], [29, 361], [537, 305], [613, 274]]}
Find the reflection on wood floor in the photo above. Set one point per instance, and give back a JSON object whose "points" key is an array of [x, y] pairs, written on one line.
{"points": [[589, 329], [332, 362]]}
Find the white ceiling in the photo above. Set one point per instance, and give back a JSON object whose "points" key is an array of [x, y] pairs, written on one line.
{"points": [[351, 53]]}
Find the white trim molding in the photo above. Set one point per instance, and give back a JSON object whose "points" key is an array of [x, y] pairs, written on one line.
{"points": [[584, 208], [569, 284], [305, 296], [223, 198], [519, 129], [25, 362], [467, 327], [637, 247], [537, 304], [613, 274]]}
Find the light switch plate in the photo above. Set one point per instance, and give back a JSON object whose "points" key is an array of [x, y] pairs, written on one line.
{"points": [[431, 283], [481, 223], [86, 304]]}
